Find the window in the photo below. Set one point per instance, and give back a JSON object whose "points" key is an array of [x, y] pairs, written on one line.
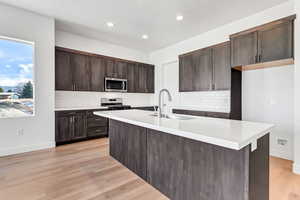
{"points": [[16, 78]]}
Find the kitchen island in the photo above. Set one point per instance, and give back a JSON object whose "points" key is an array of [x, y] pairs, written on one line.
{"points": [[192, 158]]}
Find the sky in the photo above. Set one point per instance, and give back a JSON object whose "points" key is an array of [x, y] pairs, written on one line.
{"points": [[16, 62]]}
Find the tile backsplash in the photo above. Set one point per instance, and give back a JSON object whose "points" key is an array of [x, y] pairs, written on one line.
{"points": [[67, 99], [215, 101]]}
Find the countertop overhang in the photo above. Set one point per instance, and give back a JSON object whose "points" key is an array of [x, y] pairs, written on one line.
{"points": [[232, 134]]}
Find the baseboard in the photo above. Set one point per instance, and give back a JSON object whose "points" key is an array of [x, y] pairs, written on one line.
{"points": [[296, 168], [26, 148], [281, 154]]}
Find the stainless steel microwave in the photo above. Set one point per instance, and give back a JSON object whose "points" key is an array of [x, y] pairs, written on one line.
{"points": [[115, 85]]}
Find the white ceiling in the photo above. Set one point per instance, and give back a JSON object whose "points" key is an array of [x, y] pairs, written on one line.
{"points": [[133, 18]]}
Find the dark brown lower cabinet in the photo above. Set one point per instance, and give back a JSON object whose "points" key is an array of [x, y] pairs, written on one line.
{"points": [[129, 148], [79, 126], [186, 169], [73, 126], [63, 126], [96, 125], [202, 113]]}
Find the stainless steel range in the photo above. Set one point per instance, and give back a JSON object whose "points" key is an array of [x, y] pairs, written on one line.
{"points": [[114, 104]]}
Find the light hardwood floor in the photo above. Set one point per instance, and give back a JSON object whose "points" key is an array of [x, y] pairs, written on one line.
{"points": [[84, 171]]}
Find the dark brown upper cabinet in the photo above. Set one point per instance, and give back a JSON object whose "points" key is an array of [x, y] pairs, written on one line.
{"points": [[116, 69], [186, 71], [144, 78], [63, 71], [244, 49], [132, 77], [121, 69], [110, 68], [97, 67], [221, 67], [202, 70], [205, 69], [265, 43], [276, 42], [150, 78], [81, 72]]}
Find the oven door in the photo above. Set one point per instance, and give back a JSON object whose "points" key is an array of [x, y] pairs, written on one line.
{"points": [[115, 85]]}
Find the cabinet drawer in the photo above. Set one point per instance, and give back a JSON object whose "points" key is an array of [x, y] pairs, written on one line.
{"points": [[97, 131], [96, 121], [218, 115], [189, 112]]}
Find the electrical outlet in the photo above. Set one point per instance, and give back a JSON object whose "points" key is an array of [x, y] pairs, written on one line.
{"points": [[282, 142], [20, 132]]}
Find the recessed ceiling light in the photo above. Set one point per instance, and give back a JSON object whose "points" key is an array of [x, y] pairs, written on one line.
{"points": [[145, 37], [179, 17], [110, 24]]}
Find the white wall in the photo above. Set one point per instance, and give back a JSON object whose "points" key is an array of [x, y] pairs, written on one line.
{"points": [[218, 101], [268, 96], [78, 99], [297, 91], [38, 130]]}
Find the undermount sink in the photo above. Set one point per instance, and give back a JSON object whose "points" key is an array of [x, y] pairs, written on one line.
{"points": [[171, 116]]}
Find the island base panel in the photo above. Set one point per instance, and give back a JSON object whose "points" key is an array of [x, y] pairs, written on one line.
{"points": [[187, 169]]}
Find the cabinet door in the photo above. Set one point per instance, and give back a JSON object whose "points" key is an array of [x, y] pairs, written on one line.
{"points": [[97, 66], [150, 78], [276, 43], [81, 72], [218, 115], [110, 68], [221, 67], [63, 71], [79, 123], [63, 127], [202, 70], [142, 80], [244, 49], [186, 73], [132, 79], [121, 70]]}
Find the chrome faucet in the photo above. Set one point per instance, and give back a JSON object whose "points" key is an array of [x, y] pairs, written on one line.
{"points": [[160, 114]]}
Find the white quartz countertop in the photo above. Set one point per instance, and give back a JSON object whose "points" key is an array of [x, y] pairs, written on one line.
{"points": [[81, 108], [227, 133]]}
